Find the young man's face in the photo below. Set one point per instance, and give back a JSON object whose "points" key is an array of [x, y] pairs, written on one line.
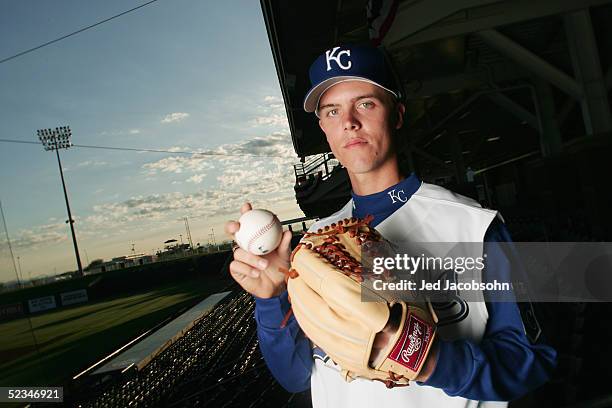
{"points": [[359, 119]]}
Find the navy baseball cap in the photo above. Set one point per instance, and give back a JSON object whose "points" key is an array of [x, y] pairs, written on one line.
{"points": [[347, 63]]}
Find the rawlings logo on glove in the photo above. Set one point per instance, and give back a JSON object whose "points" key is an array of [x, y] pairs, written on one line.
{"points": [[411, 356]]}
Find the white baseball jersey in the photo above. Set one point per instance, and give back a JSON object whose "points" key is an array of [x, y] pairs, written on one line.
{"points": [[432, 214]]}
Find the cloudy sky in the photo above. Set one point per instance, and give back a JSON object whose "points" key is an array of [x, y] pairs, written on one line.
{"points": [[177, 75]]}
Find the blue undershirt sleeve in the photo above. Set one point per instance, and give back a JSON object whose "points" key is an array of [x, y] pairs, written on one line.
{"points": [[287, 351], [505, 364]]}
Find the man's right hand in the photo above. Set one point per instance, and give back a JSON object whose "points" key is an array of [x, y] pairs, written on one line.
{"points": [[260, 275]]}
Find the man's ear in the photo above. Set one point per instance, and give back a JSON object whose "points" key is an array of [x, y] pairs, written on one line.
{"points": [[400, 111]]}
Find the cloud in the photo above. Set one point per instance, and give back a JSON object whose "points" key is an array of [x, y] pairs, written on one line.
{"points": [[272, 99], [273, 147], [174, 117], [271, 120], [229, 180], [120, 132], [156, 210], [178, 149], [34, 237], [196, 178], [154, 207], [237, 177], [271, 113], [92, 163], [260, 178], [178, 164], [273, 102], [276, 144]]}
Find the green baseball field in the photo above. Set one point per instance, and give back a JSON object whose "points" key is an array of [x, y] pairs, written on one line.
{"points": [[68, 340]]}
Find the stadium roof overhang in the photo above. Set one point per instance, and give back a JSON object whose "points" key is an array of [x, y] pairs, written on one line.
{"points": [[464, 62]]}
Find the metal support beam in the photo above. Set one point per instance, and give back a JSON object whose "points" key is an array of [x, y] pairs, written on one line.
{"points": [[457, 155], [515, 109], [550, 138], [503, 163], [588, 72], [471, 79], [432, 158], [412, 25], [532, 62], [444, 84], [415, 16], [569, 103], [440, 125], [565, 110]]}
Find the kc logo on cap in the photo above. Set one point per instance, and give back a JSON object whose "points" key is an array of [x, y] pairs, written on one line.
{"points": [[329, 57], [347, 63]]}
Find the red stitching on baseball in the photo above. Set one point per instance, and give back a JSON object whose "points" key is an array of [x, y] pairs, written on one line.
{"points": [[260, 232]]}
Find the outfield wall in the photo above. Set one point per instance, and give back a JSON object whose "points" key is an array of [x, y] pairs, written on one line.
{"points": [[39, 299]]}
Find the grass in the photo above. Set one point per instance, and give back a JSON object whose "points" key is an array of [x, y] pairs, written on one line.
{"points": [[71, 339]]}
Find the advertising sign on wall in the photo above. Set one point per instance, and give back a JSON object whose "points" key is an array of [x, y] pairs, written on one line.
{"points": [[76, 296], [42, 303]]}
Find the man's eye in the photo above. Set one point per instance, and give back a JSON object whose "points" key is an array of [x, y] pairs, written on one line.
{"points": [[332, 112], [367, 104]]}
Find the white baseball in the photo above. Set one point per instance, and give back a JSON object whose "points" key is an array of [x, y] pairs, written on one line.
{"points": [[260, 232]]}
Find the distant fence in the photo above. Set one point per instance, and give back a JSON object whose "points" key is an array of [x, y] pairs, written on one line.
{"points": [[40, 299]]}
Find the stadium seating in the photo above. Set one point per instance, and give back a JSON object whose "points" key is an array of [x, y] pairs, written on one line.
{"points": [[217, 363]]}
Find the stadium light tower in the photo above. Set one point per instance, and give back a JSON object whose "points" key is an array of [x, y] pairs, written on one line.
{"points": [[55, 139]]}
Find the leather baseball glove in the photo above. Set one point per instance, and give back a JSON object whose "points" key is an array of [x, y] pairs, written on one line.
{"points": [[325, 293]]}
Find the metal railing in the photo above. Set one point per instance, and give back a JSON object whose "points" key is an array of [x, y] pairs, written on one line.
{"points": [[302, 221], [323, 163]]}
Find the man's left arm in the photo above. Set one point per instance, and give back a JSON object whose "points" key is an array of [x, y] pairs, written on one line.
{"points": [[505, 364]]}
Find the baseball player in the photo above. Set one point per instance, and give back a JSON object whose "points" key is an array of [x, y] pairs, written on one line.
{"points": [[482, 355]]}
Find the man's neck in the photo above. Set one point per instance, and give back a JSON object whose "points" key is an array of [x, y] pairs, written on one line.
{"points": [[375, 182]]}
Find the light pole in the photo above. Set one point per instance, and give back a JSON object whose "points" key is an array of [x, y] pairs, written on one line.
{"points": [[55, 140], [19, 265], [212, 238], [86, 256]]}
